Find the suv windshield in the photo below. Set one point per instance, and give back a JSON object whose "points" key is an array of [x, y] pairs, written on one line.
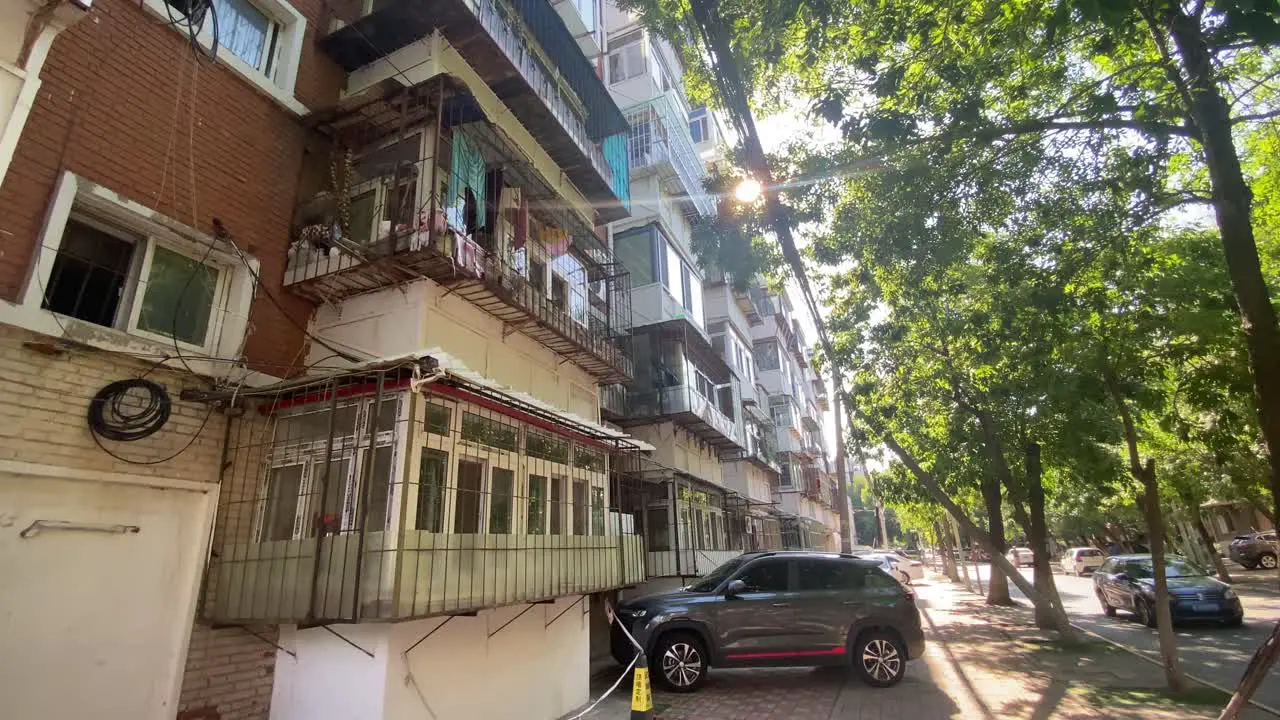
{"points": [[712, 580]]}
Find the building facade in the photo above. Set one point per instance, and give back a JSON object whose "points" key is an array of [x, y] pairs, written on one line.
{"points": [[303, 349]]}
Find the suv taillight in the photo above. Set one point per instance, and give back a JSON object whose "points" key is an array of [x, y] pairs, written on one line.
{"points": [[910, 596]]}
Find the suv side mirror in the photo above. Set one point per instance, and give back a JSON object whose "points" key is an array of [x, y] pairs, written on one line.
{"points": [[736, 587], [1120, 577]]}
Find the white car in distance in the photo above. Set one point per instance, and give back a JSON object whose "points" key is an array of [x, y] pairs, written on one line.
{"points": [[1078, 561], [904, 569], [1020, 556]]}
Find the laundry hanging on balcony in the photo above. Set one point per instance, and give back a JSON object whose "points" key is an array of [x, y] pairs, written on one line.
{"points": [[465, 202]]}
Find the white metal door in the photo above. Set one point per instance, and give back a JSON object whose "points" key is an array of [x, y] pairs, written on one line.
{"points": [[97, 600]]}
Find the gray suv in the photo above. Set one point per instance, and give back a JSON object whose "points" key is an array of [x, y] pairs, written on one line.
{"points": [[776, 609]]}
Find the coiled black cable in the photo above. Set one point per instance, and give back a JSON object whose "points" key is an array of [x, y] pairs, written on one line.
{"points": [[112, 418]]}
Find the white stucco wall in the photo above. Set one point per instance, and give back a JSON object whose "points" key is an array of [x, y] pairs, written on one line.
{"points": [[535, 668], [422, 315]]}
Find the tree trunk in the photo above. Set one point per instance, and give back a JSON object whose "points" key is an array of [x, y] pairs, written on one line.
{"points": [[964, 566], [1211, 114], [1209, 545], [948, 559], [1254, 673], [998, 585], [1038, 539], [1150, 503], [1061, 624], [884, 532]]}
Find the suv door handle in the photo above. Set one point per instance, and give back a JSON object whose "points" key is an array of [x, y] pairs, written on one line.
{"points": [[851, 602], [781, 605]]}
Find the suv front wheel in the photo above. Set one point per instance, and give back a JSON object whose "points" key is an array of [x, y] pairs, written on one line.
{"points": [[681, 662], [880, 658]]}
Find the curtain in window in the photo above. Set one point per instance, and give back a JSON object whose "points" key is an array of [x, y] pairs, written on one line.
{"points": [[467, 173], [243, 29]]}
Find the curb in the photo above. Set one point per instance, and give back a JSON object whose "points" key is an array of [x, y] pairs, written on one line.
{"points": [[1194, 678]]}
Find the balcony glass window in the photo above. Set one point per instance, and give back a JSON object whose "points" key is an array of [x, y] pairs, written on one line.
{"points": [[466, 506], [597, 510], [557, 505], [283, 487], [626, 60], [438, 419], [698, 128], [766, 355], [432, 471], [501, 497], [537, 511], [489, 431], [658, 529], [588, 459], [579, 507], [634, 249], [574, 276], [546, 446]]}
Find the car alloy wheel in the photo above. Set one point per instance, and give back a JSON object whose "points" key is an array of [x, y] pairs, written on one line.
{"points": [[1268, 562], [682, 665], [880, 659]]}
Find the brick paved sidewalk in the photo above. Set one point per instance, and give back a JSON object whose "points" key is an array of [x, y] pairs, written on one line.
{"points": [[981, 663]]}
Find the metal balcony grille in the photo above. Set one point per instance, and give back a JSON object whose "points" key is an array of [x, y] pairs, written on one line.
{"points": [[660, 138], [380, 496]]}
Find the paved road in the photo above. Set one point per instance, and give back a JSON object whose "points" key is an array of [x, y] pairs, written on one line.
{"points": [[1215, 654]]}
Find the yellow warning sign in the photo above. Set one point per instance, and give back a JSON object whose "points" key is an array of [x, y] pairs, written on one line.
{"points": [[641, 696]]}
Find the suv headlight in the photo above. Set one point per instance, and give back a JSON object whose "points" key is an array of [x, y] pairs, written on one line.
{"points": [[1229, 594], [637, 613]]}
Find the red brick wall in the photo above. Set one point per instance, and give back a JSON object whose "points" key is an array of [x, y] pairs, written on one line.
{"points": [[230, 674], [106, 111]]}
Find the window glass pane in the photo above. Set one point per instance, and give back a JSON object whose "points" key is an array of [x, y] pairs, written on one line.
{"points": [[769, 575], [178, 299], [386, 415], [327, 517], [431, 484], [501, 492], [674, 275], [537, 504], [488, 431], [597, 510], [311, 427], [360, 214], [243, 29], [579, 507], [379, 488], [588, 459], [876, 579], [635, 251], [546, 446], [766, 356], [282, 503], [466, 508], [659, 529], [89, 274], [829, 575], [557, 506], [437, 419]]}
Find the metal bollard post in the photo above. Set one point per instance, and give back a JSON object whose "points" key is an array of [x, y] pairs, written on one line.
{"points": [[641, 693]]}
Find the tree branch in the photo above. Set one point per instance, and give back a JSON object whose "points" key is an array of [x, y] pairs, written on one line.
{"points": [[1255, 117]]}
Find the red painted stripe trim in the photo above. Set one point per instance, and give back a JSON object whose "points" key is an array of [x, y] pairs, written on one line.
{"points": [[797, 653]]}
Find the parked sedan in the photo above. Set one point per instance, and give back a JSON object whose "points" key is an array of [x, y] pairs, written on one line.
{"points": [[1126, 582], [1078, 561], [1019, 556]]}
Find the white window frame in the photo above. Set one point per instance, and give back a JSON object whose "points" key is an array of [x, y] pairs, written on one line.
{"points": [[636, 40], [281, 77], [107, 210]]}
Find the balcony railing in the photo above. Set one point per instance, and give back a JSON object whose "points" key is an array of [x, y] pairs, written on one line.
{"points": [[356, 499], [685, 405], [660, 142], [556, 93]]}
